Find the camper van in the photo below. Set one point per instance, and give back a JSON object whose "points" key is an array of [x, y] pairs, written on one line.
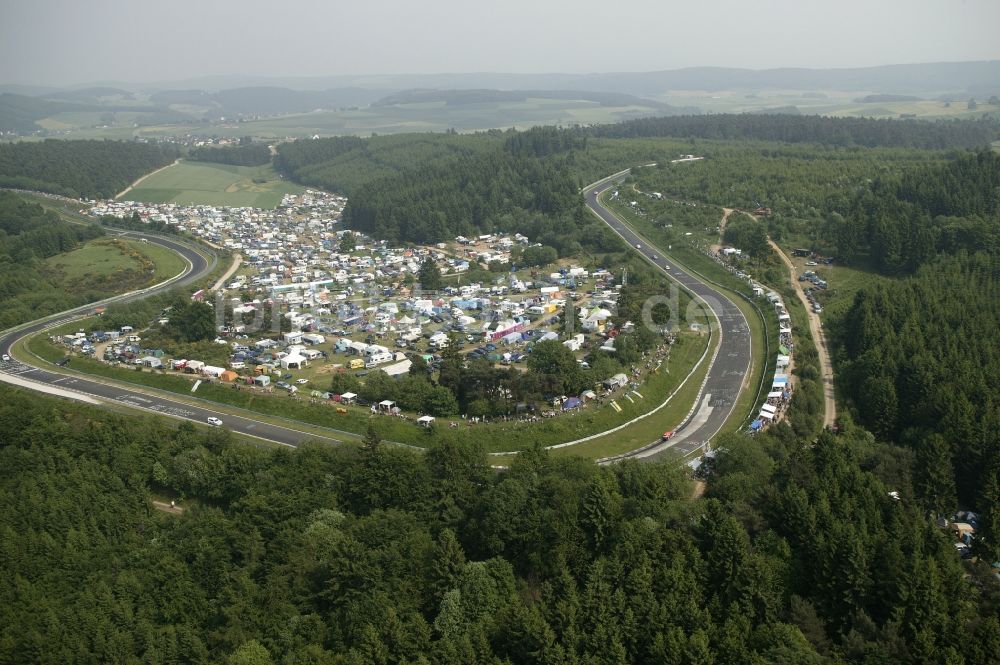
{"points": [[377, 359]]}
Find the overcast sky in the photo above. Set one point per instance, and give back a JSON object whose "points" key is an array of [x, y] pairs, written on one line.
{"points": [[77, 41]]}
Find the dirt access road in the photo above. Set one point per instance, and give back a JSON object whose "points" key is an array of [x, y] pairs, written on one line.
{"points": [[136, 183], [219, 283], [819, 339]]}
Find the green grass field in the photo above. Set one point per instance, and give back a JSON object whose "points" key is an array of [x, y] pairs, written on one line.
{"points": [[105, 264], [198, 183], [95, 258]]}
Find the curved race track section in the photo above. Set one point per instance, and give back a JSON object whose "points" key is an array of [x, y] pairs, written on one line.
{"points": [[37, 378], [730, 366]]}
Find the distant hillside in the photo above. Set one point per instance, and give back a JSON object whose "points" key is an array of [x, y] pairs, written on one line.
{"points": [[89, 95], [778, 110], [880, 99], [491, 96], [977, 78], [268, 100], [18, 113]]}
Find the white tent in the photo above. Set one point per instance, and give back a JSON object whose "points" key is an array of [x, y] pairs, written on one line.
{"points": [[768, 408], [425, 421], [386, 404], [773, 394], [347, 398], [293, 361], [766, 416]]}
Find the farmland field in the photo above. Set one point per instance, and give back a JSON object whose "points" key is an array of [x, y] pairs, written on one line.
{"points": [[214, 184], [415, 117]]}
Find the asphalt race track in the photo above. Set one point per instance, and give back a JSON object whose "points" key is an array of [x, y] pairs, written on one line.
{"points": [[732, 362], [198, 268]]}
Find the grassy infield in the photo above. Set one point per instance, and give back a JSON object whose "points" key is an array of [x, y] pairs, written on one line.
{"points": [[101, 258], [202, 183]]}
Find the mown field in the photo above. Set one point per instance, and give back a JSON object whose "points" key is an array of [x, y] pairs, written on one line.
{"points": [[191, 183]]}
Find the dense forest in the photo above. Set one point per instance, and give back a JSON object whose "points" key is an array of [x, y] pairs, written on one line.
{"points": [[244, 154], [922, 366], [819, 130], [92, 169], [375, 554], [427, 188], [29, 234], [903, 220]]}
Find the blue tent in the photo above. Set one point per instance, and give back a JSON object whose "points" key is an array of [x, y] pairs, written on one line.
{"points": [[571, 403], [756, 425]]}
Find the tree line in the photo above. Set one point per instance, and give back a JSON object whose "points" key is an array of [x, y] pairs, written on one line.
{"points": [[28, 235], [374, 554], [92, 169], [819, 130], [246, 153], [902, 221]]}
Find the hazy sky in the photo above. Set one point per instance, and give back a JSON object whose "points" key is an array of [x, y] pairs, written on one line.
{"points": [[77, 41]]}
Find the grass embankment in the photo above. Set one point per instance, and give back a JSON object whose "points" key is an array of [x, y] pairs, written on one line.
{"points": [[651, 428], [762, 321], [498, 436], [204, 183]]}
